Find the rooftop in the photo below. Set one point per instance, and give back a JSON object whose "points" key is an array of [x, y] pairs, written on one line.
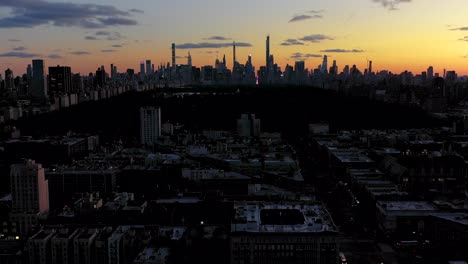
{"points": [[460, 218], [281, 218], [407, 206]]}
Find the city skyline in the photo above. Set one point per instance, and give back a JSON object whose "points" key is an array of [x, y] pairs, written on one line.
{"points": [[395, 35]]}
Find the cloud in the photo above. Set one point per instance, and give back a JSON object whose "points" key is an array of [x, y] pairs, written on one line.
{"points": [[211, 45], [304, 17], [54, 56], [117, 21], [342, 51], [78, 53], [117, 46], [105, 35], [316, 38], [14, 40], [218, 38], [32, 13], [292, 42], [304, 56], [391, 4], [134, 10], [181, 57], [20, 48], [315, 11], [19, 54], [108, 50], [464, 39], [460, 29]]}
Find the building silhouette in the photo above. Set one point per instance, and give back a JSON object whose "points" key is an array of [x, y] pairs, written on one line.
{"points": [[60, 80], [150, 125], [30, 194]]}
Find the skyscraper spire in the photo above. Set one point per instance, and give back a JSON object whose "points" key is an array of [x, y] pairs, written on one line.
{"points": [[224, 60], [268, 52], [189, 59]]}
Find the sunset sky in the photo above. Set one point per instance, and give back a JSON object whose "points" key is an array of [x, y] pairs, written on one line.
{"points": [[395, 35]]}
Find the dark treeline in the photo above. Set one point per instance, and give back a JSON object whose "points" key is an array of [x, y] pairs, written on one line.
{"points": [[288, 110]]}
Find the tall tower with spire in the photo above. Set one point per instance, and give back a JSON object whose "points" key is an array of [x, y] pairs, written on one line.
{"points": [[189, 59], [268, 52], [234, 53]]}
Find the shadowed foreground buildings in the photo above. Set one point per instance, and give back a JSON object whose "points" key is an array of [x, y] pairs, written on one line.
{"points": [[282, 233], [30, 195]]}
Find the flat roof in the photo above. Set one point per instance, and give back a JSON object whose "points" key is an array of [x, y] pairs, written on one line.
{"points": [[460, 218], [258, 217], [407, 206]]}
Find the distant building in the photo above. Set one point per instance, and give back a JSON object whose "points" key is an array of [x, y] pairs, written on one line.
{"points": [[9, 80], [248, 126], [150, 125], [149, 69], [60, 79], [30, 194], [39, 85]]}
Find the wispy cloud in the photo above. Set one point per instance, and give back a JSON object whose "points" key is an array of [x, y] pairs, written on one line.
{"points": [[20, 48], [15, 54], [304, 56], [117, 46], [134, 10], [292, 42], [55, 56], [316, 38], [211, 45], [105, 35], [32, 13], [304, 17], [14, 40], [460, 29], [221, 38], [343, 51], [464, 39], [391, 4], [108, 50], [78, 53]]}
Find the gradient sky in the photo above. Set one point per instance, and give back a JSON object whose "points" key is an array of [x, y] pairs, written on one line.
{"points": [[394, 34]]}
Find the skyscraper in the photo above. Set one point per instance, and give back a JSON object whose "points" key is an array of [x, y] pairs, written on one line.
{"points": [[9, 80], [234, 59], [300, 72], [325, 64], [268, 52], [30, 194], [39, 88], [29, 72], [189, 59], [150, 125], [142, 68], [148, 67], [100, 77], [173, 55], [370, 67], [430, 73], [60, 79]]}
